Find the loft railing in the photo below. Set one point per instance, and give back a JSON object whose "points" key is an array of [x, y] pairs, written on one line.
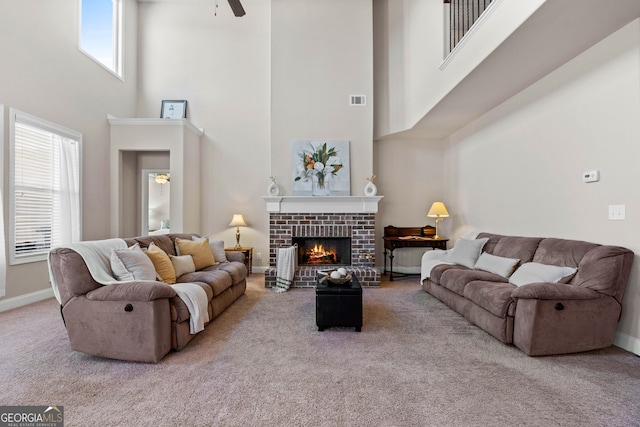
{"points": [[462, 15]]}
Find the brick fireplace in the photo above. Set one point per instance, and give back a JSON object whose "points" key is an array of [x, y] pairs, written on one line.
{"points": [[324, 217]]}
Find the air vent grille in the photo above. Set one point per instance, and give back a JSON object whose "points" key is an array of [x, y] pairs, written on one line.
{"points": [[358, 100]]}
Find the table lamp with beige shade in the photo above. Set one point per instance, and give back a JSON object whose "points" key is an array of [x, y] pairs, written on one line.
{"points": [[439, 212], [237, 221]]}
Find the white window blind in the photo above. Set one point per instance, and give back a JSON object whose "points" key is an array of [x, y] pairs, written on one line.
{"points": [[45, 187]]}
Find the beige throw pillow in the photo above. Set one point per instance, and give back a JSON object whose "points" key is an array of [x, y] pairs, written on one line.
{"points": [[496, 264], [182, 264], [534, 272], [217, 248], [466, 252], [199, 250], [162, 263]]}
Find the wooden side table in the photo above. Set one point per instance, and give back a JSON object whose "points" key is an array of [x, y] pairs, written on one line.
{"points": [[248, 255]]}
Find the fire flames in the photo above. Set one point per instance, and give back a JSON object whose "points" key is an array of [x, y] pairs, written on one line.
{"points": [[319, 255]]}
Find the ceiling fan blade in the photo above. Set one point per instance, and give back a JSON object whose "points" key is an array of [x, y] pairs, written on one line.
{"points": [[237, 8]]}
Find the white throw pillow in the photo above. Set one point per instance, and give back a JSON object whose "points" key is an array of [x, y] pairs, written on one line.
{"points": [[496, 264], [534, 272], [132, 264], [217, 248], [466, 252], [183, 264]]}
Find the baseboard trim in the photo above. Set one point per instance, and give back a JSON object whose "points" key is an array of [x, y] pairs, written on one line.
{"points": [[22, 300], [259, 269], [627, 342]]}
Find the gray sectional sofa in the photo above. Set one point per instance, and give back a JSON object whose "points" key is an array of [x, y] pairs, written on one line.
{"points": [[137, 320], [504, 285]]}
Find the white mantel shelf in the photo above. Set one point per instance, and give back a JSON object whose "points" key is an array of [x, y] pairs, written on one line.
{"points": [[322, 204], [154, 122]]}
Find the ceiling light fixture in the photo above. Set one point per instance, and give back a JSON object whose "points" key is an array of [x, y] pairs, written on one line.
{"points": [[162, 178]]}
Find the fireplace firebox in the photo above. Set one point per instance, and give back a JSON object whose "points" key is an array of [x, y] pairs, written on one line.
{"points": [[323, 250]]}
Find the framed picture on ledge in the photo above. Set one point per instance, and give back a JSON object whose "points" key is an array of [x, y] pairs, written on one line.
{"points": [[173, 110]]}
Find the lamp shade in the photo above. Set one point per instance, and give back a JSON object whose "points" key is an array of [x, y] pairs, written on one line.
{"points": [[438, 210], [237, 221]]}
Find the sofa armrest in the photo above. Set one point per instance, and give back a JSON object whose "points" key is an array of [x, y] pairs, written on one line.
{"points": [[235, 256], [551, 291], [132, 291]]}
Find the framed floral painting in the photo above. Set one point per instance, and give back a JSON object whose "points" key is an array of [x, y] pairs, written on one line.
{"points": [[321, 168]]}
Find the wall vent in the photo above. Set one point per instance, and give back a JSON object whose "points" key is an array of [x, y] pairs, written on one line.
{"points": [[358, 100]]}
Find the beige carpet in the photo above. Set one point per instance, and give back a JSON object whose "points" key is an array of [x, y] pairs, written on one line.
{"points": [[263, 363]]}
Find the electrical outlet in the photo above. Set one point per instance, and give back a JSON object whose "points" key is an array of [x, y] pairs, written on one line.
{"points": [[617, 212], [259, 256]]}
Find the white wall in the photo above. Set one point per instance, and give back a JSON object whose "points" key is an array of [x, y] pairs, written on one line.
{"points": [[409, 176], [410, 49], [517, 170], [221, 66], [322, 52], [282, 72], [45, 74]]}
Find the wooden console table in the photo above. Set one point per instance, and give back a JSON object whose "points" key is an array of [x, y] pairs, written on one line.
{"points": [[408, 237]]}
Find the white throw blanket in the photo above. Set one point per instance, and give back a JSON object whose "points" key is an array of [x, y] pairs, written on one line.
{"points": [[436, 257], [431, 259], [195, 298], [97, 255], [286, 268]]}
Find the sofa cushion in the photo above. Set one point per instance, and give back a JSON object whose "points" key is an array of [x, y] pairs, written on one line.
{"points": [[199, 250], [179, 310], [162, 264], [438, 271], [493, 297], [237, 270], [457, 279], [182, 264], [562, 252], [219, 281], [533, 272], [522, 248], [466, 252], [605, 269], [132, 264], [501, 266], [164, 242]]}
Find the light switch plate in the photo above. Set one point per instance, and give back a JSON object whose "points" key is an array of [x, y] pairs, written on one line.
{"points": [[617, 212]]}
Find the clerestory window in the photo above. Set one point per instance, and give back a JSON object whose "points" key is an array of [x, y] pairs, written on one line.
{"points": [[101, 32], [44, 187]]}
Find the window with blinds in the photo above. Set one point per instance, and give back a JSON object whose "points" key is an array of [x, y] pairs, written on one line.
{"points": [[44, 187]]}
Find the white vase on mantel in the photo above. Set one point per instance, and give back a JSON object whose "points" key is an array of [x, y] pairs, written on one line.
{"points": [[274, 189], [370, 189]]}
